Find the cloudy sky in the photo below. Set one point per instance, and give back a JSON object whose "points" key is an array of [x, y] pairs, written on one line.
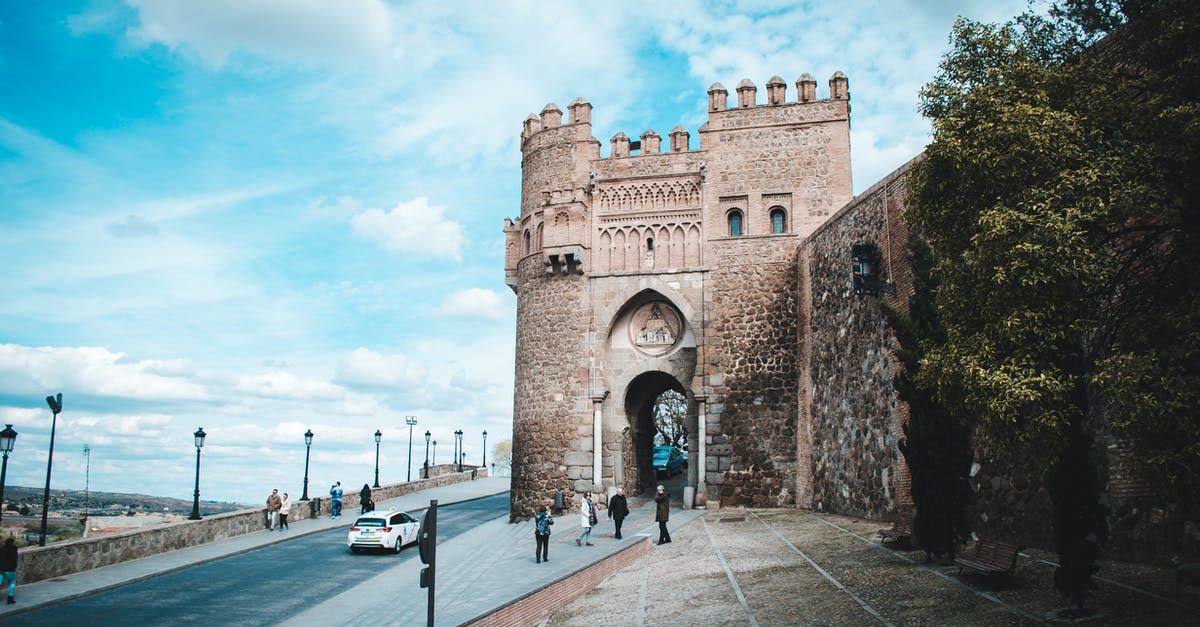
{"points": [[264, 216]]}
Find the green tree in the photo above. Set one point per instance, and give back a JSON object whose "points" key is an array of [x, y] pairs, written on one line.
{"points": [[670, 416], [1059, 195], [937, 443], [502, 453]]}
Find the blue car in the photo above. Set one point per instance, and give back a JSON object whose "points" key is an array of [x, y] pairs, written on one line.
{"points": [[668, 460]]}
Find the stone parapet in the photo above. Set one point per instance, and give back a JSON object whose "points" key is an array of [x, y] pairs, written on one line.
{"points": [[65, 558]]}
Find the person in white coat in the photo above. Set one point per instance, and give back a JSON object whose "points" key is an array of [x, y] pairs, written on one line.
{"points": [[587, 519], [285, 508]]}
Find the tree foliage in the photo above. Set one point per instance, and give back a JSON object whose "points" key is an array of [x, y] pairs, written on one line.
{"points": [[937, 442], [670, 419], [1060, 197], [502, 454]]}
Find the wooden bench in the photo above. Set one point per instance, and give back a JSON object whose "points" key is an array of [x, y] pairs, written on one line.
{"points": [[901, 528], [991, 558]]}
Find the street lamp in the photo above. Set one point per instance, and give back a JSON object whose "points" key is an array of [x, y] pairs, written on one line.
{"points": [[307, 448], [427, 434], [410, 421], [199, 435], [55, 403], [458, 448], [484, 464], [8, 438], [378, 437], [435, 452]]}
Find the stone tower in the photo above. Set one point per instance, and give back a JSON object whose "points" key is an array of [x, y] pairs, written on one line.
{"points": [[654, 270]]}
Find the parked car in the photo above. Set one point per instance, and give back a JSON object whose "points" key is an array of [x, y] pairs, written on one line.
{"points": [[668, 460], [383, 530]]}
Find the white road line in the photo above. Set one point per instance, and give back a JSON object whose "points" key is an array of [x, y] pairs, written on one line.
{"points": [[737, 590], [937, 572], [837, 584]]}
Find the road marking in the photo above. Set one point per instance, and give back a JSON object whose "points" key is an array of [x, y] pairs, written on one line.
{"points": [[737, 590], [870, 610], [937, 572]]}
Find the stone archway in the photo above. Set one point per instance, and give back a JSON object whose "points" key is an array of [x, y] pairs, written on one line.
{"points": [[640, 395]]}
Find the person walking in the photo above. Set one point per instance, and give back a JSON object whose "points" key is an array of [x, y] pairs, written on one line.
{"points": [[335, 497], [541, 533], [662, 514], [364, 499], [8, 568], [587, 519], [285, 508], [273, 503], [618, 509]]}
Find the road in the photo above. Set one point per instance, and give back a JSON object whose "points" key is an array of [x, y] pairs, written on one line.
{"points": [[263, 586]]}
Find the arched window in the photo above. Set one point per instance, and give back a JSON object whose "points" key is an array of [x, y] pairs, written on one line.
{"points": [[778, 220], [735, 223], [649, 243], [527, 248]]}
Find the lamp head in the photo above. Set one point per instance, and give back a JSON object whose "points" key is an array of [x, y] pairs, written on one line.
{"points": [[308, 437], [8, 437], [378, 436], [55, 403], [199, 435]]}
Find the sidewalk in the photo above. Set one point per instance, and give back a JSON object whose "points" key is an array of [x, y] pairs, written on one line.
{"points": [[41, 593]]}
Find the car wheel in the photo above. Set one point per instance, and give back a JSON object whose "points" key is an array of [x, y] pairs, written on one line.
{"points": [[354, 549], [399, 544]]}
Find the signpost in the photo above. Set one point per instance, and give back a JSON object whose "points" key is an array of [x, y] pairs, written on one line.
{"points": [[427, 544]]}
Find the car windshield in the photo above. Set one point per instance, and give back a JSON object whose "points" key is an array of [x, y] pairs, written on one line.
{"points": [[662, 453], [369, 522]]}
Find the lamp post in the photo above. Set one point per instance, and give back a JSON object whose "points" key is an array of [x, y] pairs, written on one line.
{"points": [[55, 403], [427, 434], [458, 435], [410, 421], [8, 438], [378, 437], [199, 435], [435, 452], [484, 464], [307, 448]]}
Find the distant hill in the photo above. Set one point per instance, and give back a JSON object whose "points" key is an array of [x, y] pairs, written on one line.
{"points": [[116, 503]]}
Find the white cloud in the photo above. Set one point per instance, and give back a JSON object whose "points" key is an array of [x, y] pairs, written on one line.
{"points": [[477, 304], [310, 31], [411, 227], [364, 367], [94, 370], [285, 385]]}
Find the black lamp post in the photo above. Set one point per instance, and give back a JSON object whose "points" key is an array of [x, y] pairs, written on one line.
{"points": [[410, 421], [8, 438], [484, 464], [307, 448], [378, 437], [458, 435], [55, 403], [199, 435], [427, 434], [435, 452]]}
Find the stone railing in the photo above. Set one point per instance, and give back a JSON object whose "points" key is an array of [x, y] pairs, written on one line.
{"points": [[64, 558]]}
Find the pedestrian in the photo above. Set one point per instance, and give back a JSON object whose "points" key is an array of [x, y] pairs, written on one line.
{"points": [[618, 509], [541, 533], [587, 519], [364, 499], [662, 514], [8, 568], [335, 497], [273, 503], [285, 508]]}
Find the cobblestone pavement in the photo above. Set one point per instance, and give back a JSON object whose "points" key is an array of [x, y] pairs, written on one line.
{"points": [[792, 567]]}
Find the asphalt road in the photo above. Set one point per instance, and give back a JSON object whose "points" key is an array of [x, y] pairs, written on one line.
{"points": [[263, 586]]}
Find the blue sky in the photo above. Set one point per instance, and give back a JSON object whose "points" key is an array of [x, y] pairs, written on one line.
{"points": [[264, 216]]}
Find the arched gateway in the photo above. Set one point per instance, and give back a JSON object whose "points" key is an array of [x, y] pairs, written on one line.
{"points": [[653, 270]]}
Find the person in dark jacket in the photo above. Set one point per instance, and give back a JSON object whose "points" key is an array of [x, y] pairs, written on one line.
{"points": [[541, 533], [364, 499], [618, 509], [8, 567], [662, 514]]}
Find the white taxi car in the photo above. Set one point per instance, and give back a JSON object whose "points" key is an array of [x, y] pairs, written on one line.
{"points": [[383, 530]]}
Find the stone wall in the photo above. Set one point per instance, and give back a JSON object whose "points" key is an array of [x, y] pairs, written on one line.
{"points": [[851, 419], [64, 558]]}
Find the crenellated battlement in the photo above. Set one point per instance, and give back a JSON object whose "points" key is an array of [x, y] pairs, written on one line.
{"points": [[719, 113]]}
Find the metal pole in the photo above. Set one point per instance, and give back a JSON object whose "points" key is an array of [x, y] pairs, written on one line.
{"points": [[307, 449], [426, 454], [3, 476], [411, 420], [484, 464], [196, 495], [376, 464], [55, 406]]}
